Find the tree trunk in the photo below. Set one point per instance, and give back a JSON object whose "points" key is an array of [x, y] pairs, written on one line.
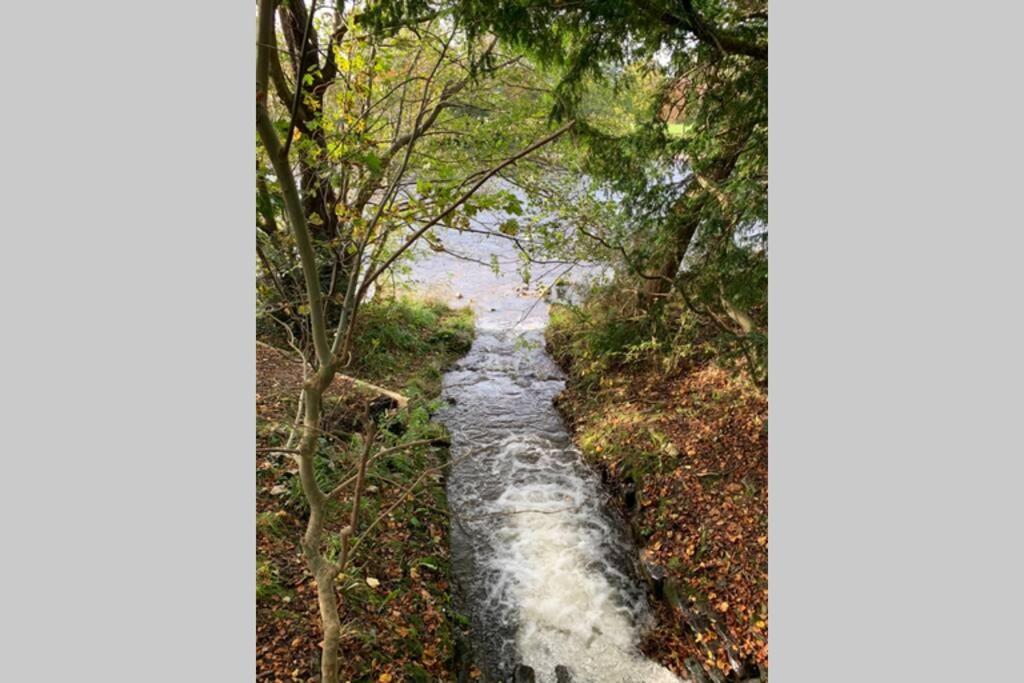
{"points": [[323, 571], [685, 219], [330, 616]]}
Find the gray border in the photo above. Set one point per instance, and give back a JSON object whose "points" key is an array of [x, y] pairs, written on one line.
{"points": [[895, 342], [127, 271]]}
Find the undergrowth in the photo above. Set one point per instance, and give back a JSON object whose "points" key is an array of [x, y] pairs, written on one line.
{"points": [[396, 607], [606, 332]]}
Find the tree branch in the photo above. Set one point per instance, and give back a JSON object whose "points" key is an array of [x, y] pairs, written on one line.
{"points": [[299, 69], [459, 202]]}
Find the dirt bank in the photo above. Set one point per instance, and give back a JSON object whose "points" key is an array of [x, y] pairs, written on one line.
{"points": [[685, 453], [398, 625]]}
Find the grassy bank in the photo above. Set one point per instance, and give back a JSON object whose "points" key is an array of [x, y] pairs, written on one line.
{"points": [[398, 625], [683, 445]]}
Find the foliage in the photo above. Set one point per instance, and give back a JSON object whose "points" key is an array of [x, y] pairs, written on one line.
{"points": [[407, 342], [391, 133], [671, 102], [603, 333], [381, 121], [268, 584]]}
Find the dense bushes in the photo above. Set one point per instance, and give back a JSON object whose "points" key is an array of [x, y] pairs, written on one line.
{"points": [[605, 332]]}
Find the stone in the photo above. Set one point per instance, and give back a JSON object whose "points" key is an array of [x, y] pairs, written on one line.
{"points": [[523, 674], [654, 570], [562, 674]]}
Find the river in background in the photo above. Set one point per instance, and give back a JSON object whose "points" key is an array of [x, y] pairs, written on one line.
{"points": [[544, 566]]}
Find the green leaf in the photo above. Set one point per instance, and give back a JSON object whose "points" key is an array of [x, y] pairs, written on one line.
{"points": [[514, 206], [372, 161], [509, 227]]}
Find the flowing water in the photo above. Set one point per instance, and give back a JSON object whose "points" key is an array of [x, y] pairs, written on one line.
{"points": [[544, 565]]}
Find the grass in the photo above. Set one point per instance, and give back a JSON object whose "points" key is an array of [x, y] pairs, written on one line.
{"points": [[268, 583], [269, 523], [593, 340]]}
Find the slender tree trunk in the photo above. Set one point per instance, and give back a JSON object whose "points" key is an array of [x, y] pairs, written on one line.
{"points": [[324, 571], [330, 616]]}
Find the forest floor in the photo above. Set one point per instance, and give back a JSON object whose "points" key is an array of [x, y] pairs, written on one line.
{"points": [[398, 623], [686, 455]]}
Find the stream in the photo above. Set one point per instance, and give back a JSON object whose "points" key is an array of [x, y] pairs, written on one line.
{"points": [[544, 566]]}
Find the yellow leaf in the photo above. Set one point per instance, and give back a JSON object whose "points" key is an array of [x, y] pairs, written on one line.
{"points": [[385, 678], [373, 583]]}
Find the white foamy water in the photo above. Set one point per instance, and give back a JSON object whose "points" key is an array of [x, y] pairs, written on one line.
{"points": [[545, 568], [571, 605]]}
